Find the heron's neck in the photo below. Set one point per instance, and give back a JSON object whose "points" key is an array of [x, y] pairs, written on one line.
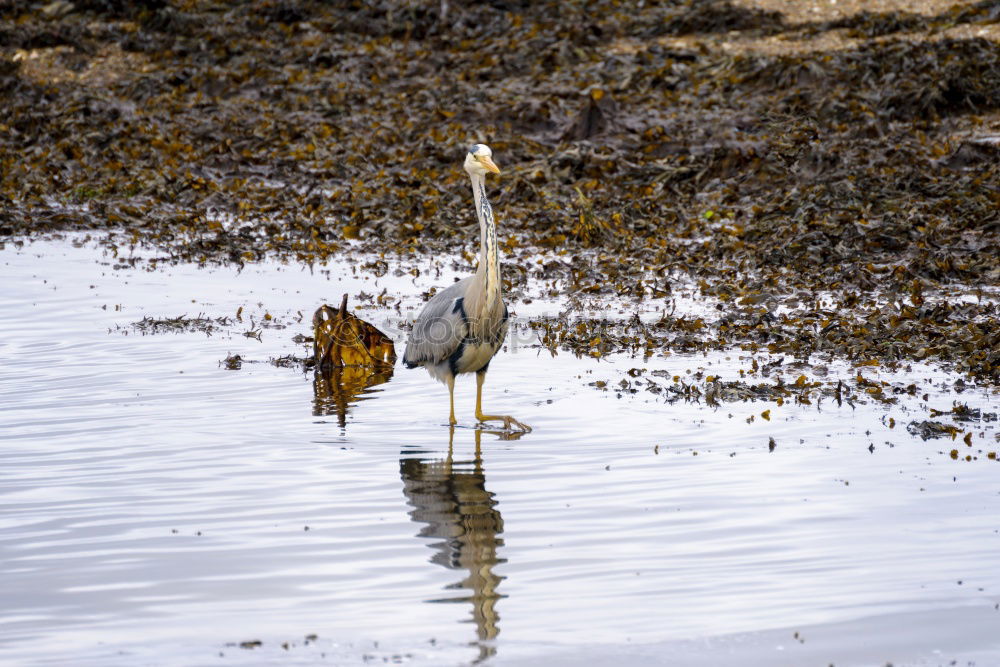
{"points": [[489, 257]]}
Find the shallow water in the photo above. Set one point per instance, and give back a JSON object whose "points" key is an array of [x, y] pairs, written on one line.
{"points": [[159, 508]]}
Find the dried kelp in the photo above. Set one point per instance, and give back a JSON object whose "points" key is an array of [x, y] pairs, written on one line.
{"points": [[340, 338]]}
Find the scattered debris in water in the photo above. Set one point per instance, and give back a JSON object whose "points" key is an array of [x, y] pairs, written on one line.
{"points": [[930, 429], [181, 324]]}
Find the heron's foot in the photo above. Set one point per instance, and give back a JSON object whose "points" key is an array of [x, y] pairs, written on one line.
{"points": [[452, 421], [509, 422]]}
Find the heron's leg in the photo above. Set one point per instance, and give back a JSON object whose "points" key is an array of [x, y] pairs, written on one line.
{"points": [[451, 400], [508, 421]]}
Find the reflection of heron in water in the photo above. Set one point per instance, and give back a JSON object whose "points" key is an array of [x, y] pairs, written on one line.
{"points": [[450, 497]]}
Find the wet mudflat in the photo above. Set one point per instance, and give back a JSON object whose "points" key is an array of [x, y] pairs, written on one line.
{"points": [[165, 506]]}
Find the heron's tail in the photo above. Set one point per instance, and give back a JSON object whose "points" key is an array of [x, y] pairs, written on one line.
{"points": [[407, 361]]}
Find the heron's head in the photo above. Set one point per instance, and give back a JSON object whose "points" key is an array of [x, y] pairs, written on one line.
{"points": [[480, 160]]}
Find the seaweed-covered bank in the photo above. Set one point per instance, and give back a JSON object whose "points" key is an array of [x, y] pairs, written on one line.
{"points": [[827, 178]]}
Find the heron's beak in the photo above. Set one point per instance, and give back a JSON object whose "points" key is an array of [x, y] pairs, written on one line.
{"points": [[488, 163]]}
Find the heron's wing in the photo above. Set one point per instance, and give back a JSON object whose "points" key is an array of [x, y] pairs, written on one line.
{"points": [[439, 328]]}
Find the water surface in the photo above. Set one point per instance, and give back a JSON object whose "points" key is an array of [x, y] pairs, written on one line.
{"points": [[160, 508]]}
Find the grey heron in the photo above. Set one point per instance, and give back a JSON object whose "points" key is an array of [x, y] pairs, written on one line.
{"points": [[463, 326]]}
